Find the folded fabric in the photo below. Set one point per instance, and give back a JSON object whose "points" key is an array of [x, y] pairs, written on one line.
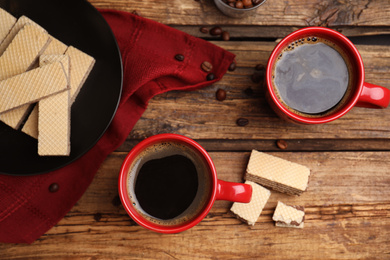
{"points": [[28, 205]]}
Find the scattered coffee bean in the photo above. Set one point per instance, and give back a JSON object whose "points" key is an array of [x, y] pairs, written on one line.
{"points": [[260, 67], [257, 77], [210, 76], [204, 30], [54, 187], [135, 12], [281, 144], [249, 91], [239, 5], [242, 121], [116, 201], [179, 57], [225, 36], [232, 66], [220, 95], [206, 66], [97, 216], [216, 31]]}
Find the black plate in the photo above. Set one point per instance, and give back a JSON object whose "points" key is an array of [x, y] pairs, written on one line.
{"points": [[77, 23]]}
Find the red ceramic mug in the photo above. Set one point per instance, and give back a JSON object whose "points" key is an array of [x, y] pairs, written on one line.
{"points": [[359, 93], [208, 188]]}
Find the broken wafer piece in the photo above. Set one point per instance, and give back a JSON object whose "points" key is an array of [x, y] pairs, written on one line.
{"points": [[81, 66], [250, 212], [276, 173], [32, 86], [289, 216], [7, 21]]}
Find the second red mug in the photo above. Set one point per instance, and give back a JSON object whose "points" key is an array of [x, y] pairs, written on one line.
{"points": [[168, 183], [357, 93]]}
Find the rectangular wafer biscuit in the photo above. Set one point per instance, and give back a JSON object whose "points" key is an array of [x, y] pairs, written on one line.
{"points": [[81, 66], [276, 173], [20, 23], [289, 216], [250, 212], [7, 21], [30, 127], [55, 47], [32, 86], [54, 116], [27, 51]]}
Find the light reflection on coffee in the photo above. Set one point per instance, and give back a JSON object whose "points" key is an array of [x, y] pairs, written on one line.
{"points": [[312, 76]]}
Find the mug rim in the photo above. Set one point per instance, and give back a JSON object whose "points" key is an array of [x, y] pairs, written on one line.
{"points": [[122, 183], [356, 59]]}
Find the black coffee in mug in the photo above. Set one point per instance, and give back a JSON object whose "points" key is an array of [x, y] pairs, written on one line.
{"points": [[312, 76], [169, 183]]}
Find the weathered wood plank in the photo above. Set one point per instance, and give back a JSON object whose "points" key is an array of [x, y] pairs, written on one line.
{"points": [[292, 144], [175, 111], [347, 210], [272, 13]]}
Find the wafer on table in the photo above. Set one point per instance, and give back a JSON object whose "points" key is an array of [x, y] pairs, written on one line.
{"points": [[250, 212], [32, 86], [289, 216], [276, 173], [7, 21]]}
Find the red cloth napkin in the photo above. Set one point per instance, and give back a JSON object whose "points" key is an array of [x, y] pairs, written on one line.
{"points": [[27, 206]]}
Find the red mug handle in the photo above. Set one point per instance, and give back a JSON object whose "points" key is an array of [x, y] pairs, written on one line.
{"points": [[373, 96], [235, 192]]}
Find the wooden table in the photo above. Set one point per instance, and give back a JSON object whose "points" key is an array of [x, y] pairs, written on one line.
{"points": [[347, 203]]}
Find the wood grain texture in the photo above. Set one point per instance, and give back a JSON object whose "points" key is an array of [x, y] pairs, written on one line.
{"points": [[272, 13], [346, 217], [217, 120]]}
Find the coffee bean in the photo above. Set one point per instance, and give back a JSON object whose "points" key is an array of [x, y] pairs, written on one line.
{"points": [[259, 67], [216, 31], [97, 216], [242, 121], [135, 12], [54, 187], [225, 36], [281, 144], [256, 2], [249, 91], [206, 66], [257, 77], [116, 201], [220, 95], [232, 66], [179, 57], [210, 76], [239, 5], [247, 2], [204, 30], [232, 4]]}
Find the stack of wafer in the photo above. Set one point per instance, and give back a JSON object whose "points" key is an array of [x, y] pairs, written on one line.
{"points": [[54, 82]]}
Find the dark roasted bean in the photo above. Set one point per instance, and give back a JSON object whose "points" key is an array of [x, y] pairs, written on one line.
{"points": [[239, 5], [216, 31], [220, 94], [232, 66], [281, 144], [242, 121], [206, 66], [225, 36], [204, 30], [54, 187], [179, 57], [259, 67], [210, 76]]}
